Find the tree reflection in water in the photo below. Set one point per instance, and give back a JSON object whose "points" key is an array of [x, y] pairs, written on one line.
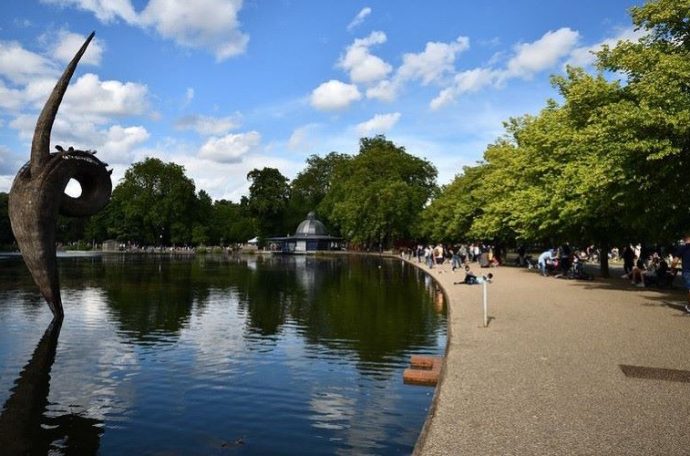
{"points": [[342, 303], [183, 354]]}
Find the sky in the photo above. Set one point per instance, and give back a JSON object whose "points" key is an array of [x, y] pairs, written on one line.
{"points": [[226, 86]]}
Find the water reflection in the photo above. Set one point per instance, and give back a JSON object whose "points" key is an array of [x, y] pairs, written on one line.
{"points": [[161, 355], [23, 427]]}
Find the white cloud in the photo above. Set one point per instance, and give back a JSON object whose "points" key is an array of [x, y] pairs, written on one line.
{"points": [[208, 24], [120, 141], [465, 82], [114, 143], [299, 139], [6, 183], [104, 10], [432, 65], [20, 66], [473, 80], [230, 148], [528, 59], [222, 180], [584, 56], [531, 58], [207, 125], [444, 98], [91, 96], [359, 18], [334, 95], [66, 44], [363, 66], [385, 90], [436, 61], [199, 24], [380, 123], [7, 164], [10, 99]]}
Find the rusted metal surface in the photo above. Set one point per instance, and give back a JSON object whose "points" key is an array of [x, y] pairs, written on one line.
{"points": [[38, 193]]}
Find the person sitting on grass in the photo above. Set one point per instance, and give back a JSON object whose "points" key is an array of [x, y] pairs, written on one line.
{"points": [[683, 254]]}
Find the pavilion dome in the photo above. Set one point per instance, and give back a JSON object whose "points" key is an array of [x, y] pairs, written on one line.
{"points": [[311, 227]]}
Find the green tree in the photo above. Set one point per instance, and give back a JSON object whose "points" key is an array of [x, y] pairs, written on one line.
{"points": [[155, 203], [450, 215], [268, 200], [203, 230], [377, 196], [311, 185], [653, 120], [609, 164], [232, 222]]}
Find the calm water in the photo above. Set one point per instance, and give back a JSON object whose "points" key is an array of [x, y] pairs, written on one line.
{"points": [[222, 355]]}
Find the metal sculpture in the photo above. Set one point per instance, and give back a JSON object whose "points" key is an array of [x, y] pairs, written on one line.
{"points": [[38, 193]]}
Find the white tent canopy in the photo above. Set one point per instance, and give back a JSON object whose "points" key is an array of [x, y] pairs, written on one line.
{"points": [[254, 240]]}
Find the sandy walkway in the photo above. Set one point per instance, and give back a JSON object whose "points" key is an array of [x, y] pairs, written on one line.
{"points": [[544, 377]]}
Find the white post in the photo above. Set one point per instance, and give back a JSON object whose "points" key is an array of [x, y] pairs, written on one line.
{"points": [[486, 308]]}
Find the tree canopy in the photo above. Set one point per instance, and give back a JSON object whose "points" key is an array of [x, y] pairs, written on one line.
{"points": [[608, 163], [268, 200], [377, 195]]}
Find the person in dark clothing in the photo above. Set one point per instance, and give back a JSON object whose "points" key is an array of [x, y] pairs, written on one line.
{"points": [[521, 254], [564, 258], [628, 260], [683, 254]]}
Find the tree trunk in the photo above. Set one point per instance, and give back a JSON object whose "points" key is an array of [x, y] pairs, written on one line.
{"points": [[604, 260]]}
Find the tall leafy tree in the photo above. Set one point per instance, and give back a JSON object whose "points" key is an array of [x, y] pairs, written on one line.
{"points": [[609, 163], [268, 200], [311, 185], [155, 203], [232, 222], [377, 196]]}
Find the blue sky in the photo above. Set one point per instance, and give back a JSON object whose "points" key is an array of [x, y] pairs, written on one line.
{"points": [[225, 86]]}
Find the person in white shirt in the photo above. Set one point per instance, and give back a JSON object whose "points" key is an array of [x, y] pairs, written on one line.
{"points": [[548, 255]]}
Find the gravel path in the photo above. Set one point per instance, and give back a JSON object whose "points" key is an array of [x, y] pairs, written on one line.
{"points": [[545, 376]]}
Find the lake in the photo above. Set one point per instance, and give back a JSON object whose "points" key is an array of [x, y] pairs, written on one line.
{"points": [[217, 355]]}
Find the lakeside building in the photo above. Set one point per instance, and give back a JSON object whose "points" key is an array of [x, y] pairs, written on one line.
{"points": [[310, 236]]}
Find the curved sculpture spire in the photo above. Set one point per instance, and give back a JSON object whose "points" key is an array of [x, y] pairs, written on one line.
{"points": [[38, 193], [40, 146]]}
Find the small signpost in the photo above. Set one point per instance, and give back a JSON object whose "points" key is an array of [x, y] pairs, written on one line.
{"points": [[486, 305]]}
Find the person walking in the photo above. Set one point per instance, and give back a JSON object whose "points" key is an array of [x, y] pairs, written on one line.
{"points": [[683, 254]]}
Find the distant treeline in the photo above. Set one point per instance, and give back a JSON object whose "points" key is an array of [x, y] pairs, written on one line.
{"points": [[605, 164], [371, 198]]}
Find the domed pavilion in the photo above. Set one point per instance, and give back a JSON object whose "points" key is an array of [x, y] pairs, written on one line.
{"points": [[310, 236]]}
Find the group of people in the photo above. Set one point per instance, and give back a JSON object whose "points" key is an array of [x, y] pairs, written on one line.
{"points": [[458, 255], [654, 267], [643, 268], [558, 261], [640, 267]]}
